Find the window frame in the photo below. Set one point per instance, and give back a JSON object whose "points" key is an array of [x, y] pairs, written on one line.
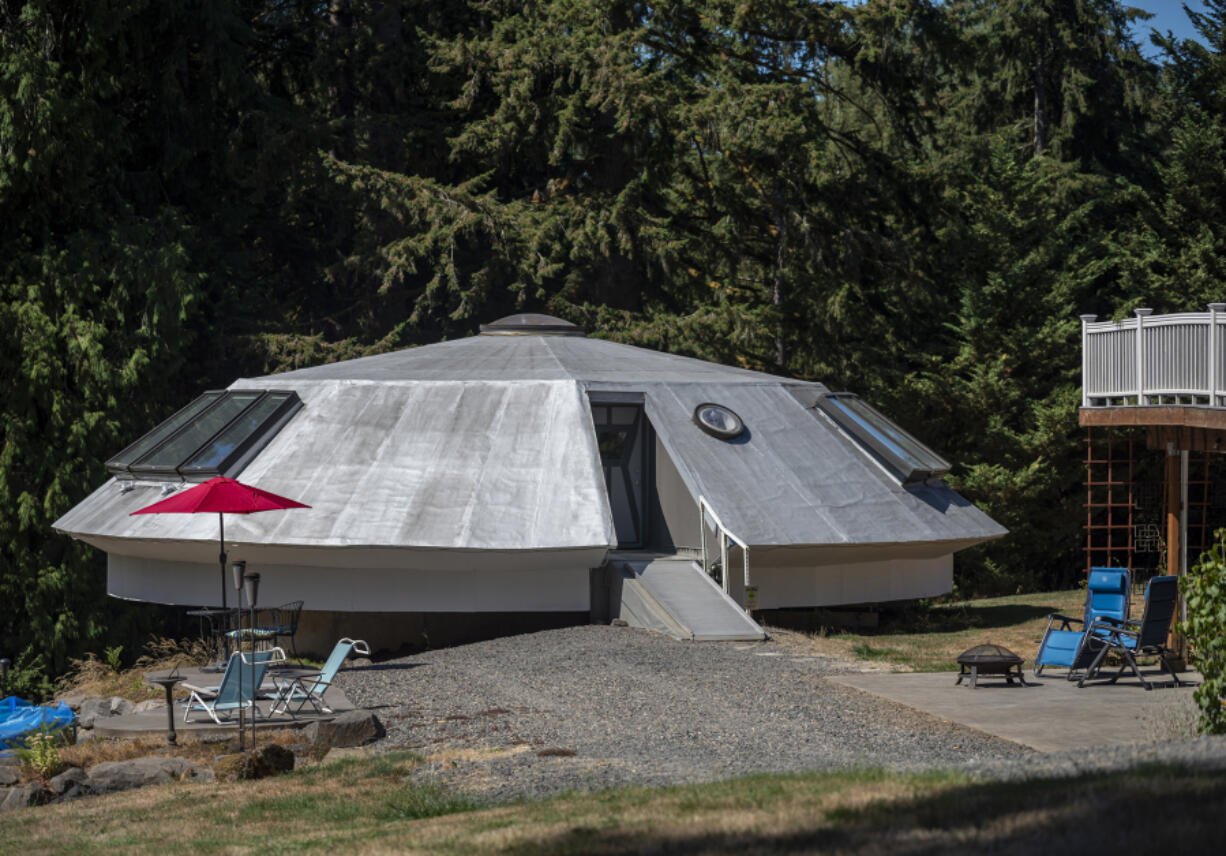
{"points": [[863, 437], [233, 463]]}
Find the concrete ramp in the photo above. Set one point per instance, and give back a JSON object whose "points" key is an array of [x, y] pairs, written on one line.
{"points": [[672, 595]]}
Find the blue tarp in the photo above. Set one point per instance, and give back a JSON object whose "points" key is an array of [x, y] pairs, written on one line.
{"points": [[19, 718]]}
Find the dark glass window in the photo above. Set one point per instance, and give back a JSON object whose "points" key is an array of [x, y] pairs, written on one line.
{"points": [[909, 457], [217, 434], [226, 443], [155, 437]]}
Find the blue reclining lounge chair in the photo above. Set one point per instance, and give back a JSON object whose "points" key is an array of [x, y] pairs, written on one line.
{"points": [[1063, 646], [1129, 638]]}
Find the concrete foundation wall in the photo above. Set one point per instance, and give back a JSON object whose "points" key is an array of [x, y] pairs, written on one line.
{"points": [[395, 631], [845, 583], [362, 590]]}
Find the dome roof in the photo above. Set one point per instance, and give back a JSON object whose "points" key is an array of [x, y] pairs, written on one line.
{"points": [[531, 324], [530, 348]]}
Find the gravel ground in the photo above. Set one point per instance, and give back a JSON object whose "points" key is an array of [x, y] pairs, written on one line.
{"points": [[585, 708]]}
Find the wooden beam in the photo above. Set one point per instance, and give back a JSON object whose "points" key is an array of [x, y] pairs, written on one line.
{"points": [[1186, 439], [1211, 418]]}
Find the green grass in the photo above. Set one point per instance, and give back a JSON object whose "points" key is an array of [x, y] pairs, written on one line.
{"points": [[929, 638], [366, 806]]}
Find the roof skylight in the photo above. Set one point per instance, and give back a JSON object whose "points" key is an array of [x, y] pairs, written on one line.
{"points": [[910, 458], [217, 434]]}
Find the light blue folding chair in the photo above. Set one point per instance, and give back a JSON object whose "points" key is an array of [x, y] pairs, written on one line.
{"points": [[235, 690], [1065, 647], [310, 689]]}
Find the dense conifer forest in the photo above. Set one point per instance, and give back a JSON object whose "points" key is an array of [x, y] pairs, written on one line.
{"points": [[909, 199]]}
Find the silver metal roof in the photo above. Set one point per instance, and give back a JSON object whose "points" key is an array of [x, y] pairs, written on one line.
{"points": [[487, 443], [528, 357], [472, 466]]}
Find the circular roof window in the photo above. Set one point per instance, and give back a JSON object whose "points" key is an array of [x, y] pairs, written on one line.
{"points": [[718, 421]]}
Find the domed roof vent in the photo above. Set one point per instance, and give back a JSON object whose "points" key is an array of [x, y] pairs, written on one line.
{"points": [[531, 324]]}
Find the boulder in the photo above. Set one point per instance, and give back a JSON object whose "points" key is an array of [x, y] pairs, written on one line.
{"points": [[272, 760], [100, 708], [61, 783], [352, 728], [23, 796], [138, 772], [233, 768], [73, 700], [148, 705], [8, 776], [267, 760]]}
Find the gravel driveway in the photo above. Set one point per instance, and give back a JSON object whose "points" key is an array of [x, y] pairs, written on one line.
{"points": [[585, 708]]}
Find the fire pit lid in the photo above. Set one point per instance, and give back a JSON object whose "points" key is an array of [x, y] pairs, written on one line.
{"points": [[982, 654]]}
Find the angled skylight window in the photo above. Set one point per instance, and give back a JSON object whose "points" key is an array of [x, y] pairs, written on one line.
{"points": [[217, 434], [910, 458]]}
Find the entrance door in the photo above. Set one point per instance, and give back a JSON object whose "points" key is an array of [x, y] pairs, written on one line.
{"points": [[621, 434]]}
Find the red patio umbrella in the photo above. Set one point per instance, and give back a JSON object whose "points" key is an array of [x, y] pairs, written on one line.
{"points": [[223, 496]]}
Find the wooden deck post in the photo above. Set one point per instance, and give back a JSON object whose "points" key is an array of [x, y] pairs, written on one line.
{"points": [[1174, 535]]}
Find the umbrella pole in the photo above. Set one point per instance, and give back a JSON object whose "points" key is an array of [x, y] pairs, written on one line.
{"points": [[221, 559]]}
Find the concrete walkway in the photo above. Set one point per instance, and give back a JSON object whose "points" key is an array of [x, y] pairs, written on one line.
{"points": [[1050, 715]]}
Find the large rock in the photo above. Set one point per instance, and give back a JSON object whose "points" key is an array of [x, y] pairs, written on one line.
{"points": [[23, 797], [123, 775], [267, 760], [73, 700], [352, 728], [148, 705], [8, 776], [72, 776], [93, 709]]}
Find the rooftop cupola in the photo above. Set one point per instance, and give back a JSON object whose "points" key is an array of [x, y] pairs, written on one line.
{"points": [[531, 324]]}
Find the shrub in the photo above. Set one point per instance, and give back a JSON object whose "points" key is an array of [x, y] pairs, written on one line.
{"points": [[1205, 627], [41, 754]]}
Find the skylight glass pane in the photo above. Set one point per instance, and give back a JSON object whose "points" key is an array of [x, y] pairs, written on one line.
{"points": [[160, 433], [197, 433], [870, 428], [225, 443]]}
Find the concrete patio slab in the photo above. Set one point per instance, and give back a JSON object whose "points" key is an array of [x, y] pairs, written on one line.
{"points": [[202, 727], [1050, 715]]}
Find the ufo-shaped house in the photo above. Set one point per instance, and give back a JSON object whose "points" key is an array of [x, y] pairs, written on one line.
{"points": [[531, 470]]}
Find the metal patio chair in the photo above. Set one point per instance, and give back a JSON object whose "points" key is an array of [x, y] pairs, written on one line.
{"points": [[1064, 646], [310, 689], [281, 623], [1129, 638], [235, 690]]}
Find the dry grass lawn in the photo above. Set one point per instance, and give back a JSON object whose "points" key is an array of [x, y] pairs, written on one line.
{"points": [[362, 805], [930, 639]]}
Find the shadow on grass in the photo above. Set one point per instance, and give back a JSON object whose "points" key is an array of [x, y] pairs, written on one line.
{"points": [[951, 619], [1146, 810]]}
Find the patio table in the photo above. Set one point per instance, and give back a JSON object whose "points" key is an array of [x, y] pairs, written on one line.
{"points": [[217, 630]]}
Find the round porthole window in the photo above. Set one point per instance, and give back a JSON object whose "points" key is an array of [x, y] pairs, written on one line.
{"points": [[718, 421]]}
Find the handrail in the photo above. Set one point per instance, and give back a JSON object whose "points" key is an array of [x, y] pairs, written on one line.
{"points": [[725, 535], [1155, 359]]}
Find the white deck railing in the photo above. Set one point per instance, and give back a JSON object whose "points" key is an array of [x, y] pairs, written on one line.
{"points": [[1155, 359]]}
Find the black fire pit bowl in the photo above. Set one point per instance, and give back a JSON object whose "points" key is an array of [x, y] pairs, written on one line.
{"points": [[990, 660]]}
